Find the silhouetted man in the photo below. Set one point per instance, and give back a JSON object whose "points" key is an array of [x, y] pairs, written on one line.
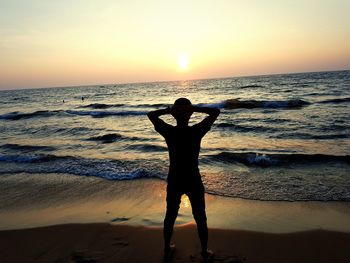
{"points": [[184, 178]]}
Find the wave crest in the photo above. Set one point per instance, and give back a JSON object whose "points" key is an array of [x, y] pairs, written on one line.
{"points": [[264, 159], [21, 115], [339, 100], [29, 148], [103, 168], [100, 106], [250, 104], [100, 114], [107, 138]]}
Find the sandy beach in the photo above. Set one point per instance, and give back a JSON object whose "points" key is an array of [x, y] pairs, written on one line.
{"points": [[121, 243], [36, 200], [65, 218]]}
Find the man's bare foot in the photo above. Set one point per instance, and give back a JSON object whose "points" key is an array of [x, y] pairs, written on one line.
{"points": [[169, 252], [208, 256]]}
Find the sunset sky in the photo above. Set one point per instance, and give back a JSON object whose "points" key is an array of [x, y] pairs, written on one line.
{"points": [[80, 42]]}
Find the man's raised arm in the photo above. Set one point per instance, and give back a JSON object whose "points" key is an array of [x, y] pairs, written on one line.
{"points": [[212, 112], [154, 115], [159, 125]]}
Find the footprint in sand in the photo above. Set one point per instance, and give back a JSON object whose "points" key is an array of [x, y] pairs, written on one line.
{"points": [[78, 257], [119, 242], [219, 258]]}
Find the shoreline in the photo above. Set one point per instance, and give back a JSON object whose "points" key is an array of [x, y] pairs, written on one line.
{"points": [[122, 243], [37, 200]]}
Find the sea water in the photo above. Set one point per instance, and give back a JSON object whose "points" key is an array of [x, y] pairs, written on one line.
{"points": [[278, 137]]}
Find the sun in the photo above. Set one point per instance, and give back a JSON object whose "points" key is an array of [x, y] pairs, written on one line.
{"points": [[182, 61]]}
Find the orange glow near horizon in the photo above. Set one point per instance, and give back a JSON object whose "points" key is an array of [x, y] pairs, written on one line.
{"points": [[61, 43]]}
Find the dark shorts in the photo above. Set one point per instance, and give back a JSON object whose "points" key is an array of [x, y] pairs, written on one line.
{"points": [[195, 193]]}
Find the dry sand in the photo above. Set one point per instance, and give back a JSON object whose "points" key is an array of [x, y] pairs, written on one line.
{"points": [[122, 243]]}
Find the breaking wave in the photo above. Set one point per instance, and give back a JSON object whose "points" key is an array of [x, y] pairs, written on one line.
{"points": [[21, 115], [265, 160], [100, 106], [19, 147], [107, 138], [98, 113], [103, 168], [340, 100], [249, 104]]}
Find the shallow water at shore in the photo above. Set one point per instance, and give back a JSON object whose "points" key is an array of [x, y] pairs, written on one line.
{"points": [[50, 199]]}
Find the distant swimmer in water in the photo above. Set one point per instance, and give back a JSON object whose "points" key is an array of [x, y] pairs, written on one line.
{"points": [[63, 101], [82, 98], [184, 177]]}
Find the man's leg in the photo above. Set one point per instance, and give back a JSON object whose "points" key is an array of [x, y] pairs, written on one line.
{"points": [[196, 196], [173, 200]]}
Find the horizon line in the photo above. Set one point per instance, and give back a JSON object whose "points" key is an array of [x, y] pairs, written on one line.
{"points": [[177, 80]]}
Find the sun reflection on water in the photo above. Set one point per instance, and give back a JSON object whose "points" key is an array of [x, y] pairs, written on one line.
{"points": [[185, 202]]}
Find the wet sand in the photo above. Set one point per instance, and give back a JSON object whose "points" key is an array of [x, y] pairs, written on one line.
{"points": [[65, 218], [121, 243], [34, 200]]}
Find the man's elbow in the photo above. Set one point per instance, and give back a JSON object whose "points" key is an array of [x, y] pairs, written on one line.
{"points": [[152, 115], [216, 112]]}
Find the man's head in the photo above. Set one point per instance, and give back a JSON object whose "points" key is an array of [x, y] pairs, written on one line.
{"points": [[181, 110], [182, 102]]}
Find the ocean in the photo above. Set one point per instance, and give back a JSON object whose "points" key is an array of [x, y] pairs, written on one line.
{"points": [[278, 137]]}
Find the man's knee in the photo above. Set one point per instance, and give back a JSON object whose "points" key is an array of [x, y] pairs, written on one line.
{"points": [[171, 214], [200, 216]]}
